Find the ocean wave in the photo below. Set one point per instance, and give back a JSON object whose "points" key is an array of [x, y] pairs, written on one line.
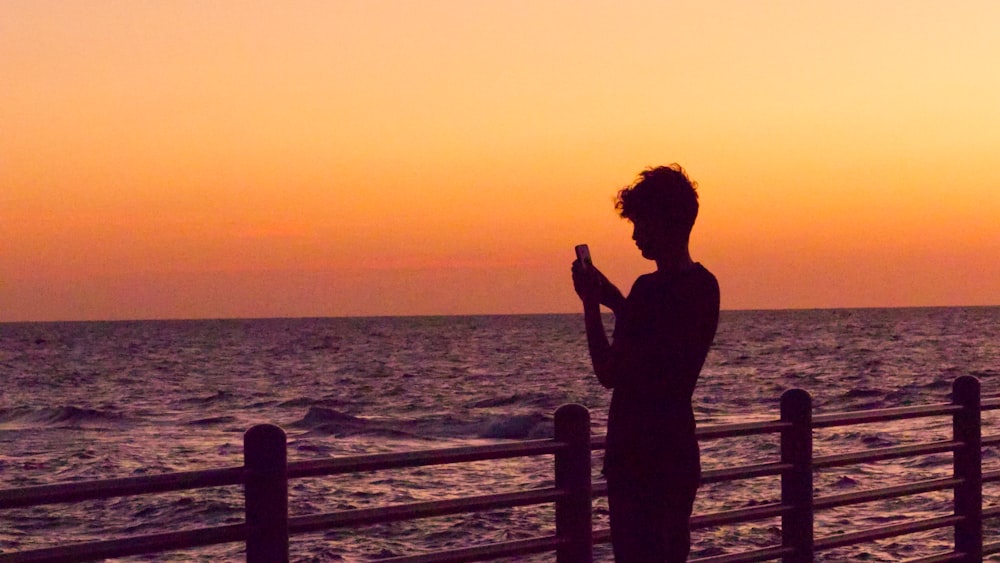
{"points": [[517, 427], [326, 421], [321, 415], [863, 392], [213, 420], [218, 396], [879, 440], [496, 427], [58, 416], [306, 401], [533, 399]]}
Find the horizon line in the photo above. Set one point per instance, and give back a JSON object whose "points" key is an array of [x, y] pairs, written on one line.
{"points": [[467, 315]]}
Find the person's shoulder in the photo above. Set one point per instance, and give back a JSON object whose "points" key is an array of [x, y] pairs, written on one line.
{"points": [[644, 286], [706, 279], [703, 272], [646, 278]]}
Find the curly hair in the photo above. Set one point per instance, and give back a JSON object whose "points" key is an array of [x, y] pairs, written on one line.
{"points": [[663, 193]]}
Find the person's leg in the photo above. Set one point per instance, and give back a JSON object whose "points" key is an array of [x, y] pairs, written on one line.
{"points": [[650, 522], [674, 524], [631, 528], [675, 494], [642, 526]]}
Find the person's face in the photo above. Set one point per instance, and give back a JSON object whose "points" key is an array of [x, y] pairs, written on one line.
{"points": [[652, 238], [657, 239]]}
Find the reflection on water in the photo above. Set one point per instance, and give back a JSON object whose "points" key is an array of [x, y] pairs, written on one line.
{"points": [[98, 400]]}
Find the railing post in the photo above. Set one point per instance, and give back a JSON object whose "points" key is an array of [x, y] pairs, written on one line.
{"points": [[266, 494], [797, 482], [573, 514], [968, 467]]}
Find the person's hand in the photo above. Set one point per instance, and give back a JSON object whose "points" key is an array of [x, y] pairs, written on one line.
{"points": [[611, 296], [593, 287], [586, 283]]}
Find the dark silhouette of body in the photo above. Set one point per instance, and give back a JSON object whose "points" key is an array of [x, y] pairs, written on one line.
{"points": [[663, 331]]}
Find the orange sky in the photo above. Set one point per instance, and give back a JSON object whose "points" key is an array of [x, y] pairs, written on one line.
{"points": [[254, 159]]}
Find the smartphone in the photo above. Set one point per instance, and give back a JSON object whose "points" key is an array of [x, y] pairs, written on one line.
{"points": [[583, 255]]}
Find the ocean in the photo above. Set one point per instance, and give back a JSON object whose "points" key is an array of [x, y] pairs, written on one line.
{"points": [[96, 400]]}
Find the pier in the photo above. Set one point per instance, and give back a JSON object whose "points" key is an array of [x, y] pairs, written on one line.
{"points": [[268, 528]]}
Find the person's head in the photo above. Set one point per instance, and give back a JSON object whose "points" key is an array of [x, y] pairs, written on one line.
{"points": [[662, 204]]}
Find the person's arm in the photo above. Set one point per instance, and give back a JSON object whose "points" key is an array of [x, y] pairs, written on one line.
{"points": [[601, 354], [611, 296], [594, 290]]}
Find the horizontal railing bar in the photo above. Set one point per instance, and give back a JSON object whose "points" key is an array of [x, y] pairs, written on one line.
{"points": [[743, 472], [864, 536], [882, 415], [991, 440], [940, 558], [733, 430], [603, 535], [715, 431], [991, 512], [462, 454], [765, 554], [990, 476], [990, 404], [827, 542], [991, 548], [710, 519], [739, 515], [483, 552], [880, 454], [125, 547], [859, 497], [410, 511], [121, 487], [599, 489]]}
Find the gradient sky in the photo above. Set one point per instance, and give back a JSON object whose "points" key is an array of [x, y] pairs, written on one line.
{"points": [[188, 159]]}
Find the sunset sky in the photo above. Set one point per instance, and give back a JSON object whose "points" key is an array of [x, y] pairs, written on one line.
{"points": [[189, 159]]}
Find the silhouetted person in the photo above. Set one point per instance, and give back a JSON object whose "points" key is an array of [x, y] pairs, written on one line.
{"points": [[663, 331]]}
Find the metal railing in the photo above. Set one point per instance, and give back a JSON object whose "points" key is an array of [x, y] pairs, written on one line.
{"points": [[268, 527]]}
